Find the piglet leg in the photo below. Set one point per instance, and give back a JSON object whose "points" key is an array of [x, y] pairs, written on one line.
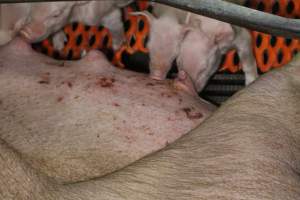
{"points": [[59, 40], [244, 47]]}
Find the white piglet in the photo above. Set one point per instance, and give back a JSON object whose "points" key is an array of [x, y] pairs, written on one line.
{"points": [[203, 47], [166, 35], [197, 43], [47, 18]]}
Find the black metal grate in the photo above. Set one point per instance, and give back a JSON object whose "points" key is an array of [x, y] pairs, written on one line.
{"points": [[223, 85]]}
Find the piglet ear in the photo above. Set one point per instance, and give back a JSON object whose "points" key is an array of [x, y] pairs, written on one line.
{"points": [[19, 24], [224, 36], [184, 31], [195, 23], [147, 14]]}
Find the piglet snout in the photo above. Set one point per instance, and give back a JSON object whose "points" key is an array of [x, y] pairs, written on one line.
{"points": [[157, 75], [33, 32], [25, 33]]}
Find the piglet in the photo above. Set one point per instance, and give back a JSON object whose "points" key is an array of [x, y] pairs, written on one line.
{"points": [[198, 59], [47, 18], [166, 35], [197, 43], [226, 37]]}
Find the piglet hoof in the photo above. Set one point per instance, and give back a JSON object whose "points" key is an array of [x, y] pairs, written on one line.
{"points": [[156, 75], [156, 78], [248, 82], [250, 79], [83, 53], [184, 82], [59, 40]]}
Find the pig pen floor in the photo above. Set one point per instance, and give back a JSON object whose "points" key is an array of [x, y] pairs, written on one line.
{"points": [[223, 85]]}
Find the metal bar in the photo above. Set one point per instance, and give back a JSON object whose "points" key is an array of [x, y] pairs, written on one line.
{"points": [[35, 1], [239, 15], [227, 12]]}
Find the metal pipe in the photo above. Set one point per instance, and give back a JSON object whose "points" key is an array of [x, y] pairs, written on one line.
{"points": [[239, 15], [34, 1], [227, 12]]}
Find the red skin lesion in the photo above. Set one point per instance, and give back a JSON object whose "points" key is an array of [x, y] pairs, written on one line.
{"points": [[150, 84], [180, 100], [60, 99], [44, 78], [105, 82], [192, 115], [116, 104], [68, 83]]}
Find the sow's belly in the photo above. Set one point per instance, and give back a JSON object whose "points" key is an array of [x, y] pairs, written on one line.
{"points": [[76, 120]]}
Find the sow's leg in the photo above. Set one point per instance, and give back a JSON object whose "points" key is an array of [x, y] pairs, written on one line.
{"points": [[75, 121], [18, 180]]}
